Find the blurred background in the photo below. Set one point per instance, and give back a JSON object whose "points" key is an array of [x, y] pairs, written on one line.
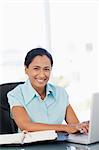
{"points": [[68, 29]]}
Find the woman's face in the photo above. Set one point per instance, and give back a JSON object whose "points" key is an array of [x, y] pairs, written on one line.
{"points": [[39, 71]]}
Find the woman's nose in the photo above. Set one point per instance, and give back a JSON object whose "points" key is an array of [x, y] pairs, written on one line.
{"points": [[41, 74]]}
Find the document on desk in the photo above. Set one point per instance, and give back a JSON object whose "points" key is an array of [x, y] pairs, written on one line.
{"points": [[29, 137]]}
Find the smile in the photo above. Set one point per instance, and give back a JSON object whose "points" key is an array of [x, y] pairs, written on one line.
{"points": [[40, 80]]}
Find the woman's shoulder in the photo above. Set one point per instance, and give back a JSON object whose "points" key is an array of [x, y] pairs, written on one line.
{"points": [[17, 89], [60, 94], [57, 88]]}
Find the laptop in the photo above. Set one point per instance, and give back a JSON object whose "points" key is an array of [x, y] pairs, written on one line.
{"points": [[93, 134]]}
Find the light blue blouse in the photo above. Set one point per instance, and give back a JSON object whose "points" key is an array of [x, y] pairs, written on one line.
{"points": [[51, 110]]}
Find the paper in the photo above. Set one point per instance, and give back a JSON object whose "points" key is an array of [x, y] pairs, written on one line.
{"points": [[11, 138], [29, 137]]}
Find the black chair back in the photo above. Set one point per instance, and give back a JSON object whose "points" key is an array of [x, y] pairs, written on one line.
{"points": [[7, 124]]}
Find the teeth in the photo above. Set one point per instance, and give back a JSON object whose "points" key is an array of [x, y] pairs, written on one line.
{"points": [[40, 81]]}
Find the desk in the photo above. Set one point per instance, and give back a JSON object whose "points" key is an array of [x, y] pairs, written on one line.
{"points": [[54, 146]]}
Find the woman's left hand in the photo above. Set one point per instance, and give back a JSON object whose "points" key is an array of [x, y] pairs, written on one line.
{"points": [[83, 127]]}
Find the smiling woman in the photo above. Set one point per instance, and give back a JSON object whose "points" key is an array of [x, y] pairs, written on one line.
{"points": [[38, 70], [41, 105]]}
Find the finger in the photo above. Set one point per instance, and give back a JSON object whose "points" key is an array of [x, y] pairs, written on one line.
{"points": [[85, 130], [81, 131], [83, 127]]}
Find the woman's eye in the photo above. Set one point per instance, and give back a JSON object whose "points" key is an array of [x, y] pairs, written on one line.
{"points": [[35, 68], [47, 69]]}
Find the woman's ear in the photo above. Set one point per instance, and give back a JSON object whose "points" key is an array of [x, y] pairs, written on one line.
{"points": [[26, 70]]}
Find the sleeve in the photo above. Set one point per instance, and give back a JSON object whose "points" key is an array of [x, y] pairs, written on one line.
{"points": [[62, 97], [14, 98], [66, 97]]}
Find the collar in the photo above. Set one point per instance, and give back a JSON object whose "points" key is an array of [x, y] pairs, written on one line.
{"points": [[30, 92], [50, 90]]}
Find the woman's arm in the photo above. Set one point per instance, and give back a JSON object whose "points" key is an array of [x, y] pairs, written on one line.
{"points": [[71, 117], [24, 122], [73, 123]]}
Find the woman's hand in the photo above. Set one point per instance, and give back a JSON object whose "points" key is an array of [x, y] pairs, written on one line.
{"points": [[78, 127], [83, 127]]}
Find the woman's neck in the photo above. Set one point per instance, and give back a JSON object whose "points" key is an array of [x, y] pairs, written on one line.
{"points": [[42, 94], [40, 91]]}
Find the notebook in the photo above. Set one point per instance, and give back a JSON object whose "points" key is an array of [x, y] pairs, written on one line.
{"points": [[93, 135], [29, 137]]}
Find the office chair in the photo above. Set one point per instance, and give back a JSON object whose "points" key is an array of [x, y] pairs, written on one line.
{"points": [[7, 124]]}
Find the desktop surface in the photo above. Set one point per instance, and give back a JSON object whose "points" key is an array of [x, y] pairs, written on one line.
{"points": [[53, 146]]}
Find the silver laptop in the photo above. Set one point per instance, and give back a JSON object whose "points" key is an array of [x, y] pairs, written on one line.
{"points": [[93, 135]]}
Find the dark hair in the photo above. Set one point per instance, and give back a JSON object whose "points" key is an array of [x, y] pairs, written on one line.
{"points": [[35, 52]]}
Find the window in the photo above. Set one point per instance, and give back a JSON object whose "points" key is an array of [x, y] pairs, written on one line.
{"points": [[74, 26], [23, 28]]}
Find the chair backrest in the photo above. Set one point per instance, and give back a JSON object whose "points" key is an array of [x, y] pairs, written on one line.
{"points": [[7, 124]]}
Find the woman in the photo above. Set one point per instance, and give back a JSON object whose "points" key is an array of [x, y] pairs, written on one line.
{"points": [[36, 104]]}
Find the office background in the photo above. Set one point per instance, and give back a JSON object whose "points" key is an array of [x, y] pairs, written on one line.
{"points": [[68, 29]]}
